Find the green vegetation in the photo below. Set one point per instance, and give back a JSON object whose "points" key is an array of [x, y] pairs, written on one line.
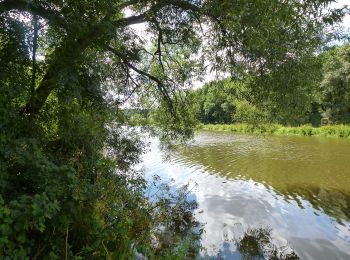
{"points": [[236, 106], [318, 87], [335, 85], [68, 70], [277, 129]]}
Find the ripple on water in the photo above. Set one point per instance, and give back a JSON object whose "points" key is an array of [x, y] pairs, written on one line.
{"points": [[298, 187]]}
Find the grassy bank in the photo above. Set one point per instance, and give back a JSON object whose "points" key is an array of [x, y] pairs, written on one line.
{"points": [[342, 131]]}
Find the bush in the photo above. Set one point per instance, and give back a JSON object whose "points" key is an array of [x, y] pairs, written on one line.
{"points": [[246, 112], [68, 190]]}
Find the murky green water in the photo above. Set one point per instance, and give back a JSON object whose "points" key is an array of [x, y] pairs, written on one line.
{"points": [[299, 187]]}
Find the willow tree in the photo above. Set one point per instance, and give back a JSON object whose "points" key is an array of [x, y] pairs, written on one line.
{"points": [[66, 69], [238, 35]]}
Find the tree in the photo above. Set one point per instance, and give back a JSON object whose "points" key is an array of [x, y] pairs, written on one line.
{"points": [[259, 34], [335, 85], [216, 102], [287, 94], [67, 186]]}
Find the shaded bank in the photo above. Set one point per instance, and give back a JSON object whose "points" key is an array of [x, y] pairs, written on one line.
{"points": [[342, 131]]}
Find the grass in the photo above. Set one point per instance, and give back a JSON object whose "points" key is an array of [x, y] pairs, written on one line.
{"points": [[341, 131]]}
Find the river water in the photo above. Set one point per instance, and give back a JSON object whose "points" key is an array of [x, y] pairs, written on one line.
{"points": [[296, 187]]}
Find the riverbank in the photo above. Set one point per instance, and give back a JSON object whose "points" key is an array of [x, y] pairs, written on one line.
{"points": [[341, 131]]}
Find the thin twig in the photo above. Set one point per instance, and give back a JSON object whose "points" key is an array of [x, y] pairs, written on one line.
{"points": [[66, 244]]}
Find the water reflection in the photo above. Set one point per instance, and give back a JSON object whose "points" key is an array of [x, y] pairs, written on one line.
{"points": [[255, 243], [297, 187], [316, 170]]}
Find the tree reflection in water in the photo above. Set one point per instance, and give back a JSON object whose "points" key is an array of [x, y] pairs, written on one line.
{"points": [[254, 244], [257, 243]]}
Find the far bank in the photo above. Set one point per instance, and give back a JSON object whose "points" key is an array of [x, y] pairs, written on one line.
{"points": [[340, 131]]}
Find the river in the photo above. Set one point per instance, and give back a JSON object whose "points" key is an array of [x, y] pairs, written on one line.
{"points": [[296, 187]]}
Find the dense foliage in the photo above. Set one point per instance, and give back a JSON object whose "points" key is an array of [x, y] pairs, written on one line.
{"points": [[216, 102], [67, 68], [335, 86], [293, 94]]}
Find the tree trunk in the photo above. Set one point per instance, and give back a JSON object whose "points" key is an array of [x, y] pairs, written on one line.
{"points": [[35, 45], [63, 58]]}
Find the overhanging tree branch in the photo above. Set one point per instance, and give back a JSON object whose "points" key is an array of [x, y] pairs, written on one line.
{"points": [[127, 21], [82, 42], [159, 83], [30, 7]]}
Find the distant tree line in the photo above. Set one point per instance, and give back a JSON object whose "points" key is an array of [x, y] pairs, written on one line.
{"points": [[318, 87]]}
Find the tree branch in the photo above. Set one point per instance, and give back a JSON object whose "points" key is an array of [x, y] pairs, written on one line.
{"points": [[159, 83], [141, 18], [53, 16], [77, 47], [30, 7], [127, 21]]}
